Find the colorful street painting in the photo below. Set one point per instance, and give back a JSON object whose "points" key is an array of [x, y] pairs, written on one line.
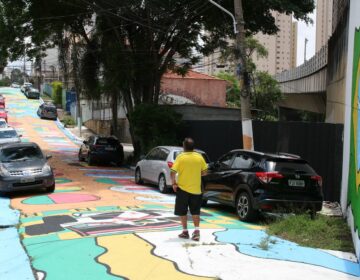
{"points": [[354, 167]]}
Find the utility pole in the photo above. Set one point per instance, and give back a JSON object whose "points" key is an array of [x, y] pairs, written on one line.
{"points": [[243, 76], [305, 45], [241, 71]]}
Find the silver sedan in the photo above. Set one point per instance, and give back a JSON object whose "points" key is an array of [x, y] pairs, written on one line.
{"points": [[154, 168]]}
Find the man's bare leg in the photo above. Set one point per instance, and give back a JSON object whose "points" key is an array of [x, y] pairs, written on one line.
{"points": [[196, 220]]}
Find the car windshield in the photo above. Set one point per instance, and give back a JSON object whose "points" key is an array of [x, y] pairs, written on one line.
{"points": [[50, 109], [206, 158], [20, 154], [107, 141], [8, 134], [287, 166]]}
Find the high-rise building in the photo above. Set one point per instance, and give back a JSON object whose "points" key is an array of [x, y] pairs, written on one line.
{"points": [[324, 14], [282, 49]]}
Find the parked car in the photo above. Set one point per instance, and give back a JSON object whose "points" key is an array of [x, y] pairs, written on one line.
{"points": [[3, 114], [3, 123], [9, 135], [2, 100], [23, 166], [105, 149], [47, 110], [25, 86], [15, 85], [155, 167], [252, 182], [32, 93]]}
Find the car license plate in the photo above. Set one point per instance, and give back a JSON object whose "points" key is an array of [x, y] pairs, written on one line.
{"points": [[109, 149], [27, 180], [296, 183]]}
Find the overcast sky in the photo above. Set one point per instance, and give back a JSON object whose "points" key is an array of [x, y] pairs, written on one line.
{"points": [[306, 31]]}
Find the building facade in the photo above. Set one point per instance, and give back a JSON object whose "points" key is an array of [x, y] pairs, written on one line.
{"points": [[282, 50], [324, 28]]}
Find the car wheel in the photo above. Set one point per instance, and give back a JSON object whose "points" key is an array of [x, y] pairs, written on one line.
{"points": [[244, 207], [138, 179], [162, 184], [90, 160], [50, 189]]}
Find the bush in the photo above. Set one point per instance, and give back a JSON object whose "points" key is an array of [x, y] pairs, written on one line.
{"points": [[68, 121], [155, 125], [57, 92], [5, 82]]}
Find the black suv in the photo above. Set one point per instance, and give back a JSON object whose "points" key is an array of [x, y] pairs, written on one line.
{"points": [[252, 182], [48, 111], [105, 149]]}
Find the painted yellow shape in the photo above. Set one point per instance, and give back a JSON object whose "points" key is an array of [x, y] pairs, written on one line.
{"points": [[68, 235], [210, 226], [131, 257], [32, 223]]}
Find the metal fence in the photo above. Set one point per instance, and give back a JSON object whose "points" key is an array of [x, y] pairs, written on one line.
{"points": [[319, 143]]}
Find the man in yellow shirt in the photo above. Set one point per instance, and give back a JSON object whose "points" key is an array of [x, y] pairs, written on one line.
{"points": [[189, 166]]}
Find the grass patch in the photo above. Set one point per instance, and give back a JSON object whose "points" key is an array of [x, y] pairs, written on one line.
{"points": [[323, 232]]}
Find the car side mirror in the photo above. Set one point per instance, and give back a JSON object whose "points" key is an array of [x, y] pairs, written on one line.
{"points": [[142, 157], [48, 157], [20, 135], [214, 165], [85, 142]]}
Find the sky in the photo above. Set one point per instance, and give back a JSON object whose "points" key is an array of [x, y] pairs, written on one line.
{"points": [[309, 32]]}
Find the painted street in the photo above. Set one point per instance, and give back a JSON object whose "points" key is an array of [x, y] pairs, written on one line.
{"points": [[98, 224]]}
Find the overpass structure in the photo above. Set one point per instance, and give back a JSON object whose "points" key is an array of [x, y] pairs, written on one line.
{"points": [[304, 87]]}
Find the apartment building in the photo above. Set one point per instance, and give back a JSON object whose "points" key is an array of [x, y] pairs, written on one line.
{"points": [[324, 15]]}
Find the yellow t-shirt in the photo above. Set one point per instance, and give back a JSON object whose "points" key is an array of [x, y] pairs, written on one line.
{"points": [[189, 166]]}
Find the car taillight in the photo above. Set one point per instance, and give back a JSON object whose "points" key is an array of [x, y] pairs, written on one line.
{"points": [[266, 177], [318, 179], [170, 164]]}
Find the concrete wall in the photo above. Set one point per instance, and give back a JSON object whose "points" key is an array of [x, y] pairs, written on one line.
{"points": [[336, 71], [350, 195], [208, 92]]}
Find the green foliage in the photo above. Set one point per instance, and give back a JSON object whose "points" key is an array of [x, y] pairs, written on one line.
{"points": [[68, 121], [5, 82], [57, 92], [232, 89], [266, 95], [155, 125], [17, 76], [322, 232]]}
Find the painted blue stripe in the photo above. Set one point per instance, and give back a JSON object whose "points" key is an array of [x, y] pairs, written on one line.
{"points": [[247, 242], [8, 216], [71, 136], [14, 263]]}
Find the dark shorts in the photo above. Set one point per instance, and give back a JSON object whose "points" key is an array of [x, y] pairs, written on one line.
{"points": [[185, 201]]}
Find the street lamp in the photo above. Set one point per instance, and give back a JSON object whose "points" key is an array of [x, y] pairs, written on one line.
{"points": [[228, 12]]}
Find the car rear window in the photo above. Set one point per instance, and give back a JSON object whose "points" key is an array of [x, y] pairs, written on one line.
{"points": [[206, 158], [107, 141], [50, 109], [287, 166], [20, 154]]}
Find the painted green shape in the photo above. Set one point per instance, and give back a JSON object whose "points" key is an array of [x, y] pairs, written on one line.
{"points": [[38, 200], [70, 259], [106, 181], [62, 180], [30, 219], [55, 212], [41, 239], [353, 189]]}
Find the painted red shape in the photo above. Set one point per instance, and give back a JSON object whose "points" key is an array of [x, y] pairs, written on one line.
{"points": [[61, 198], [125, 182]]}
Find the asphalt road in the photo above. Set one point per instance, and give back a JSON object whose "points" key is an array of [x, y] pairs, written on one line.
{"points": [[99, 225]]}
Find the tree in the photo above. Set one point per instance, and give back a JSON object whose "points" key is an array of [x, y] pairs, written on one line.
{"points": [[126, 46], [17, 76]]}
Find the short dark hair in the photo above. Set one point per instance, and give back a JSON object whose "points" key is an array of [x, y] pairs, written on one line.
{"points": [[188, 144]]}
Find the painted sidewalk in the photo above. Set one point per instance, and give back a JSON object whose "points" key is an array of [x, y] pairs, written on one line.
{"points": [[98, 224]]}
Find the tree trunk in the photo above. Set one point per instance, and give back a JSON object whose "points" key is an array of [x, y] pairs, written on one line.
{"points": [[114, 111]]}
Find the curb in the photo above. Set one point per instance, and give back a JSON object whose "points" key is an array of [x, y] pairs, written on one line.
{"points": [[72, 137]]}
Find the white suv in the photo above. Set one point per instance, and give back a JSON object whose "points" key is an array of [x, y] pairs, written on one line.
{"points": [[155, 167]]}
